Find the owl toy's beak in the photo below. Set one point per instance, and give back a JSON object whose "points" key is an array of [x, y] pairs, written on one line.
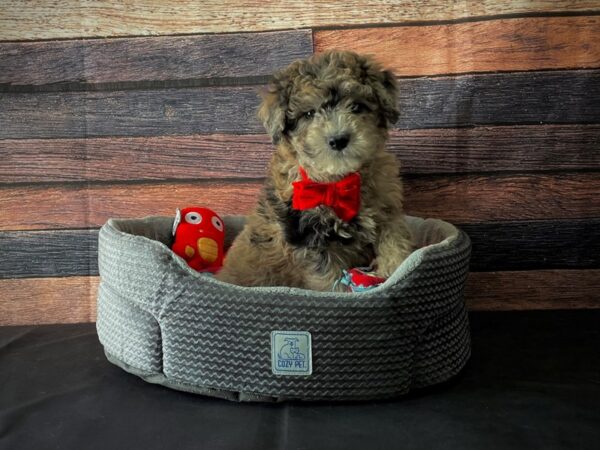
{"points": [[176, 222], [208, 249]]}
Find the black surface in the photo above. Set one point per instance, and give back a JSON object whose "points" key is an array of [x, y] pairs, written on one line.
{"points": [[533, 383]]}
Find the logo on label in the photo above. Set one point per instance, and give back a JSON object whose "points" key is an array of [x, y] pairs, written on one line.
{"points": [[291, 353]]}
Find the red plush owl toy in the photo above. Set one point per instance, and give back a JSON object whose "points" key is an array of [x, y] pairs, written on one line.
{"points": [[199, 238]]}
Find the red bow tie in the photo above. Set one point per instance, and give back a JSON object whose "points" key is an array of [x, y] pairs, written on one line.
{"points": [[342, 196]]}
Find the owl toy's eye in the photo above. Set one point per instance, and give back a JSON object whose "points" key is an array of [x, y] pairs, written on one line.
{"points": [[217, 223], [193, 217]]}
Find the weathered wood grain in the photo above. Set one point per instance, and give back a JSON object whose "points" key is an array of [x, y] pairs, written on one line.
{"points": [[440, 150], [500, 99], [561, 97], [25, 20], [525, 245], [140, 59], [535, 289], [535, 245], [508, 148], [129, 113], [48, 253], [457, 198], [500, 45], [140, 158], [35, 301], [478, 198], [531, 43], [76, 206]]}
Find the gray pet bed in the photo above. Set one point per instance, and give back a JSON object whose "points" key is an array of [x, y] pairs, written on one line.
{"points": [[168, 324]]}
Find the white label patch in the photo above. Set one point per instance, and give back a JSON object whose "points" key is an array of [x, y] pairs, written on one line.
{"points": [[291, 353]]}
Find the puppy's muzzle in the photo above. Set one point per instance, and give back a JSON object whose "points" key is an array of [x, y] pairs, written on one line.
{"points": [[339, 142]]}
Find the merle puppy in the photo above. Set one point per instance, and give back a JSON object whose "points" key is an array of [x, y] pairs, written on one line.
{"points": [[333, 196]]}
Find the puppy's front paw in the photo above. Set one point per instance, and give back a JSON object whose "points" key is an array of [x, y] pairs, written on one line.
{"points": [[384, 266]]}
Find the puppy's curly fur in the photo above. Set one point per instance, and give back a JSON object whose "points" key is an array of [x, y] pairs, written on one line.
{"points": [[306, 105]]}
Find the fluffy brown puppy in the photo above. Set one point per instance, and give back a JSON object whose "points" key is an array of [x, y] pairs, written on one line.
{"points": [[329, 115]]}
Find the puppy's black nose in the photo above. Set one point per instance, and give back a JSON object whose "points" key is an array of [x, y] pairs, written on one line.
{"points": [[339, 142]]}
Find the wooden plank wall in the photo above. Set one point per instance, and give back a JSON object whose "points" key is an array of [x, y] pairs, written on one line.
{"points": [[109, 110]]}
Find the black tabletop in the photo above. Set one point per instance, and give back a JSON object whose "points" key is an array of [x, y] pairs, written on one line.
{"points": [[533, 382]]}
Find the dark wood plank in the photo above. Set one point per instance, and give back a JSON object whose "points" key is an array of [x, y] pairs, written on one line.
{"points": [[530, 43], [533, 289], [564, 244], [129, 113], [500, 99], [35, 301], [573, 244], [457, 198], [439, 150], [133, 113], [48, 253], [155, 58], [467, 100]]}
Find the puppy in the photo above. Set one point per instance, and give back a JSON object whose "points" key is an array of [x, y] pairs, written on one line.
{"points": [[333, 196]]}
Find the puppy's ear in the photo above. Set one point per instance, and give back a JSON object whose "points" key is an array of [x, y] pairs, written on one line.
{"points": [[383, 83], [272, 111], [386, 90]]}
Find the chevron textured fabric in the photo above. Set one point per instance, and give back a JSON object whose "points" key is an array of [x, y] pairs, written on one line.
{"points": [[168, 324]]}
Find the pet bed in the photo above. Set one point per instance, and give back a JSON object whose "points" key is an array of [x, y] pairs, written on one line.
{"points": [[162, 321]]}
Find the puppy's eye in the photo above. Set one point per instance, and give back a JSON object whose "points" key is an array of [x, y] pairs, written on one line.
{"points": [[309, 114], [357, 108]]}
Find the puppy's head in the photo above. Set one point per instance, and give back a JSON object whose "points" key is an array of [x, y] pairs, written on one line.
{"points": [[333, 110]]}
